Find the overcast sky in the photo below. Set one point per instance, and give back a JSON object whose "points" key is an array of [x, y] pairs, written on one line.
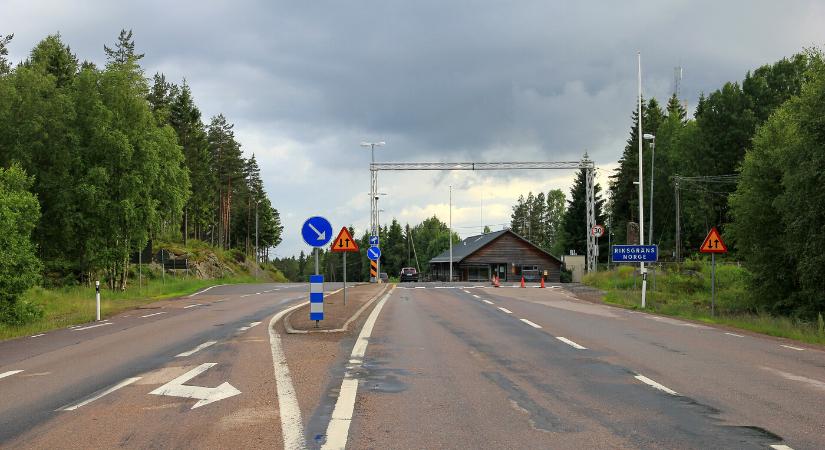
{"points": [[305, 82]]}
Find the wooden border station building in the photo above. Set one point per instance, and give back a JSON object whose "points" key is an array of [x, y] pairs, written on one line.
{"points": [[503, 253]]}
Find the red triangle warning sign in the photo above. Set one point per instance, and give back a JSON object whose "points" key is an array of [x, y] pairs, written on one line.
{"points": [[344, 242], [713, 243]]}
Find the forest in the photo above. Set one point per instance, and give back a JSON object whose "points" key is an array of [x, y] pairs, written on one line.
{"points": [[96, 162]]}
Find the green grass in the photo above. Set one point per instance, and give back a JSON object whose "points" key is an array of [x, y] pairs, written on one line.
{"points": [[685, 291], [76, 304]]}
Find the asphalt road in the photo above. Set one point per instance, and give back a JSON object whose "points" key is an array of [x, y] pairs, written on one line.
{"points": [[531, 368], [429, 366], [116, 364]]}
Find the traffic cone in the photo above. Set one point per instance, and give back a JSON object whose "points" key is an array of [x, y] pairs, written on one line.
{"points": [[542, 283], [522, 281], [497, 282]]}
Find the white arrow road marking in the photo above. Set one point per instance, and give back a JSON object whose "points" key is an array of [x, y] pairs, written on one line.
{"points": [[9, 373], [102, 393], [196, 349], [321, 236], [205, 395]]}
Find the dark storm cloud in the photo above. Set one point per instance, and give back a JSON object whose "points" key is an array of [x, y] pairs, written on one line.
{"points": [[458, 80]]}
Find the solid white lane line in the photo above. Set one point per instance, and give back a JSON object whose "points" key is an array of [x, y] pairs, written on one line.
{"points": [[532, 324], [91, 326], [292, 427], [571, 343], [792, 347], [488, 302], [654, 384], [202, 291], [9, 373], [780, 447], [154, 314], [38, 335], [108, 391], [476, 296], [192, 306], [196, 349], [338, 428], [734, 334], [505, 310]]}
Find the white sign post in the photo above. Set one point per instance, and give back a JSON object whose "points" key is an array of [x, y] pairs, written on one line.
{"points": [[97, 300]]}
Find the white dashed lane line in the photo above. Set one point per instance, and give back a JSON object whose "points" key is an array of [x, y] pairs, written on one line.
{"points": [[488, 302], [476, 296], [249, 326], [192, 306], [154, 314], [571, 343], [654, 384], [505, 310], [780, 447], [196, 349], [38, 335], [734, 335], [91, 326], [792, 347], [100, 394], [9, 373], [532, 324]]}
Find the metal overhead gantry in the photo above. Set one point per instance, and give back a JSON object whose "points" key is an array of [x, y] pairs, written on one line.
{"points": [[585, 163]]}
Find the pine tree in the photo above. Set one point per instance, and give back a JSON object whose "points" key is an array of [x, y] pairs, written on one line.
{"points": [[124, 50], [575, 218], [5, 67]]}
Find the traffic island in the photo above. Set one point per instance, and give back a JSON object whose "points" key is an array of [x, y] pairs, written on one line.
{"points": [[337, 316]]}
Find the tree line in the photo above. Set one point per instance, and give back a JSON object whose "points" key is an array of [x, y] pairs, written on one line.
{"points": [[407, 246], [115, 159], [750, 161]]}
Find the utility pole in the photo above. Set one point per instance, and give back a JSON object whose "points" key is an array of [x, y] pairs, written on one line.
{"points": [[450, 234], [678, 242]]}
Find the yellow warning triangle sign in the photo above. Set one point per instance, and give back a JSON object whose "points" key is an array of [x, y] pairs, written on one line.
{"points": [[344, 242], [713, 243]]}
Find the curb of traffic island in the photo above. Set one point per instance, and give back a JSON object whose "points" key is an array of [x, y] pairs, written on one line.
{"points": [[290, 330]]}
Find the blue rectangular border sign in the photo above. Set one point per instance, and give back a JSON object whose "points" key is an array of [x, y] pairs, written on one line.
{"points": [[635, 253]]}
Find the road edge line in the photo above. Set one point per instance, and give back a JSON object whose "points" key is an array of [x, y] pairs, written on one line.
{"points": [[292, 427], [339, 423]]}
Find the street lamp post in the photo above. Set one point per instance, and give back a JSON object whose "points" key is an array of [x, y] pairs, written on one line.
{"points": [[641, 185], [651, 138], [257, 257], [450, 233], [374, 200]]}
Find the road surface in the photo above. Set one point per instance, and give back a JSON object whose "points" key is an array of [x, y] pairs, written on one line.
{"points": [[426, 366]]}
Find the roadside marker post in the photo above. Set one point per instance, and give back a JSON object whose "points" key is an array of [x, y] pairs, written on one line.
{"points": [[316, 298], [713, 244], [344, 243], [97, 300]]}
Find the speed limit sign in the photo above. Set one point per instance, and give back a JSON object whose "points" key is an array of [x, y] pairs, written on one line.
{"points": [[598, 231]]}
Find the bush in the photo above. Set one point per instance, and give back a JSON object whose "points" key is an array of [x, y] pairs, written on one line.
{"points": [[20, 312]]}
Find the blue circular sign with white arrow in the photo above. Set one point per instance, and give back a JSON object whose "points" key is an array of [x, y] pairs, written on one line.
{"points": [[317, 231], [374, 253]]}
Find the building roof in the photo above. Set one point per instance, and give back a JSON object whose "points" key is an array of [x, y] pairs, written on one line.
{"points": [[472, 244]]}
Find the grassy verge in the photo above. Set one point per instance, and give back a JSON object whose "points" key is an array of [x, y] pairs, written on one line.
{"points": [[73, 305], [685, 291]]}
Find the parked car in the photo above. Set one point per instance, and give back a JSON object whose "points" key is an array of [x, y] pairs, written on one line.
{"points": [[408, 274], [384, 277]]}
